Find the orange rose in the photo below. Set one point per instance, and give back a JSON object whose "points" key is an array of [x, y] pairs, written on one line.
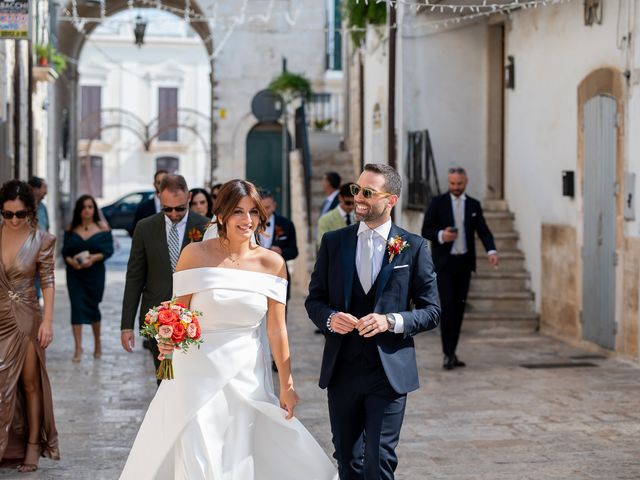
{"points": [[179, 332], [167, 317]]}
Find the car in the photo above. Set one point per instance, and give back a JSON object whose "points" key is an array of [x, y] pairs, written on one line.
{"points": [[121, 213]]}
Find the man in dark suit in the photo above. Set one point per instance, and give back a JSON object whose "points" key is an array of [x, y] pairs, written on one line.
{"points": [[331, 188], [450, 222], [151, 206], [280, 233], [155, 248], [365, 279]]}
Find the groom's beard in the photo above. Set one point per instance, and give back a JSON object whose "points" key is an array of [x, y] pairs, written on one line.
{"points": [[372, 214]]}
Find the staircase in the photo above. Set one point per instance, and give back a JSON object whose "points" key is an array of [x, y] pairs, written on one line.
{"points": [[501, 298], [326, 156]]}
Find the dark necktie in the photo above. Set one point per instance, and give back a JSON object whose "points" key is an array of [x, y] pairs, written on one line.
{"points": [[347, 219]]}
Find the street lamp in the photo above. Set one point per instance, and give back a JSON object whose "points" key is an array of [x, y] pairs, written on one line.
{"points": [[139, 29]]}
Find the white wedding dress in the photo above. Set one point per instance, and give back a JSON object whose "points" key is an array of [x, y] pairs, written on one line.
{"points": [[218, 419]]}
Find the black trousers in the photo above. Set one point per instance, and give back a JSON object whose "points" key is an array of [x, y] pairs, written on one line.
{"points": [[453, 286], [366, 417]]}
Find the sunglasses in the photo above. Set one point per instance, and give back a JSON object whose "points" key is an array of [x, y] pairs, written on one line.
{"points": [[366, 191], [348, 203], [457, 170], [8, 215], [181, 208]]}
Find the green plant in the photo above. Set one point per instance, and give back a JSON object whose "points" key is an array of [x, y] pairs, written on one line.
{"points": [[291, 85], [320, 124], [59, 62], [46, 53], [360, 14]]}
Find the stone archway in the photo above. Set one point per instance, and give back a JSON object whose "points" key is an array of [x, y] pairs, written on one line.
{"points": [[70, 43]]}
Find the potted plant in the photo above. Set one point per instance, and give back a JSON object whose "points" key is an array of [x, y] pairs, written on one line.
{"points": [[43, 52], [291, 85]]}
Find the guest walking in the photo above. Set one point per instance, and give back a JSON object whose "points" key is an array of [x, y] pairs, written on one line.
{"points": [[151, 206], [450, 222], [155, 248], [201, 202], [86, 245], [330, 185], [27, 426], [339, 217]]}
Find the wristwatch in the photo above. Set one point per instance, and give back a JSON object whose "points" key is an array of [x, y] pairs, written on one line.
{"points": [[391, 321]]}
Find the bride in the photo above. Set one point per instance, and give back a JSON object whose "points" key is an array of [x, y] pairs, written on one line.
{"points": [[219, 418]]}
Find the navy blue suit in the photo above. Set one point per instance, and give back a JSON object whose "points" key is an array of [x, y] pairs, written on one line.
{"points": [[454, 271], [368, 379]]}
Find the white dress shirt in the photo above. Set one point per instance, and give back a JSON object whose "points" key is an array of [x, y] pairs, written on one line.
{"points": [[461, 231], [182, 226], [156, 202], [266, 237], [344, 215], [380, 236]]}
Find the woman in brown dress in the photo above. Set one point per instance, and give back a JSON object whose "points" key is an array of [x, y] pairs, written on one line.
{"points": [[27, 427]]}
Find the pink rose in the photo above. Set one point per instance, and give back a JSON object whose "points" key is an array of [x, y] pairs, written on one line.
{"points": [[165, 331], [186, 317], [192, 330]]}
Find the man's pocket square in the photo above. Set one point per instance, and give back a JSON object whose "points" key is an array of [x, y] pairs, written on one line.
{"points": [[473, 214], [400, 266]]}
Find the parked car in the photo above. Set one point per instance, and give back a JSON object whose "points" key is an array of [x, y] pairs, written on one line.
{"points": [[120, 214]]}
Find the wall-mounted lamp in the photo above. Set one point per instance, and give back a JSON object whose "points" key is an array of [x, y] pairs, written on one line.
{"points": [[510, 73], [139, 29], [568, 183]]}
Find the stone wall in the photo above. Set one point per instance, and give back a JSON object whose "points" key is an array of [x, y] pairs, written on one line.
{"points": [[560, 286], [627, 337]]}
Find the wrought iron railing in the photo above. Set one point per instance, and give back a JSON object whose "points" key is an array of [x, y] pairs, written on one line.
{"points": [[422, 176]]}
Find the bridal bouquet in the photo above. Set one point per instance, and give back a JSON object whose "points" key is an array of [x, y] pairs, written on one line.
{"points": [[172, 322]]}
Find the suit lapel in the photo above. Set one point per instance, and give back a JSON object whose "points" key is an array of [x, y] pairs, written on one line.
{"points": [[160, 232], [349, 263], [387, 266], [448, 209], [468, 228], [188, 227]]}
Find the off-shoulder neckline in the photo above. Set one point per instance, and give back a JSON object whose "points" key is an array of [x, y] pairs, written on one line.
{"points": [[233, 270]]}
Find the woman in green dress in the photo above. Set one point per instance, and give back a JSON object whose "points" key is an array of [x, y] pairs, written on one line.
{"points": [[86, 245]]}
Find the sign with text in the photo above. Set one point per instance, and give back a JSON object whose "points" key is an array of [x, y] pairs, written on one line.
{"points": [[14, 19]]}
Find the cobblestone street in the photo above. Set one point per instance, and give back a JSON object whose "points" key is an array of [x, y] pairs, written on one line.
{"points": [[493, 419]]}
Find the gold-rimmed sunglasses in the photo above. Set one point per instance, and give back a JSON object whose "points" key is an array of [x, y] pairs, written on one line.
{"points": [[366, 191]]}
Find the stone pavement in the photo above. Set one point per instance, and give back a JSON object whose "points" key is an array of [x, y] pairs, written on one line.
{"points": [[492, 420]]}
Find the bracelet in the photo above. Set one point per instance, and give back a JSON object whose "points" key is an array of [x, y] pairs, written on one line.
{"points": [[329, 323]]}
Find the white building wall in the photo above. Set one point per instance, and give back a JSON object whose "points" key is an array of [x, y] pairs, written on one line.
{"points": [[376, 98], [554, 51]]}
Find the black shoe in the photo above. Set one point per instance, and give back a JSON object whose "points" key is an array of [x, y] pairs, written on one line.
{"points": [[449, 362], [273, 366], [457, 362]]}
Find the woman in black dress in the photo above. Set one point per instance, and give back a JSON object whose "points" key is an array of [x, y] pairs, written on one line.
{"points": [[86, 245]]}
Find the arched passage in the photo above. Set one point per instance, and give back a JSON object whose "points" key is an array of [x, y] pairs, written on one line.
{"points": [[70, 42]]}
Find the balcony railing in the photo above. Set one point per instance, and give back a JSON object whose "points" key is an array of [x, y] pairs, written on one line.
{"points": [[325, 112]]}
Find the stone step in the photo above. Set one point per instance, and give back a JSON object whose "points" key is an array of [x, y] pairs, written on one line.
{"points": [[499, 281], [500, 222], [505, 241], [500, 301], [510, 261], [495, 206], [510, 321]]}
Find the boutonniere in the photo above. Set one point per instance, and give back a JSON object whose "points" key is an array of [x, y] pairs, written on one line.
{"points": [[279, 231], [396, 245], [194, 235]]}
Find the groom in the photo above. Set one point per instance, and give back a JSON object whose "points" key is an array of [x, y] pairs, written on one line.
{"points": [[366, 277]]}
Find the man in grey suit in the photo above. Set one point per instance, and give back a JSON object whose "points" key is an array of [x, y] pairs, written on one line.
{"points": [[155, 248]]}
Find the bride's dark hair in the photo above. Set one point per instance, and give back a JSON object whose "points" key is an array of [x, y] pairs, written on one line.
{"points": [[228, 198]]}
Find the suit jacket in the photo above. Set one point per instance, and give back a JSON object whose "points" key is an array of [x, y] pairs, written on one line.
{"points": [[405, 280], [149, 269], [144, 210], [334, 203], [328, 222], [285, 237], [439, 215]]}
